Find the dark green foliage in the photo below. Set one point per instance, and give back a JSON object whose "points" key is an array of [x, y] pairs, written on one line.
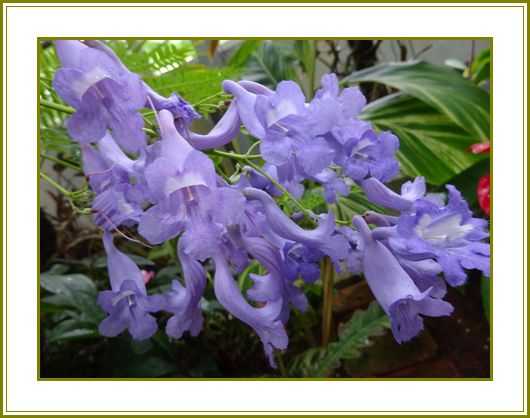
{"points": [[354, 336]]}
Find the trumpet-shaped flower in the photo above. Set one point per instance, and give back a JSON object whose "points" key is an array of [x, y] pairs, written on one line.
{"points": [[395, 290], [127, 304], [104, 93], [449, 234]]}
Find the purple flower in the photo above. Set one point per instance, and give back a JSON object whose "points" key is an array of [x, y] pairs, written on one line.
{"points": [[373, 155], [104, 93], [332, 109], [449, 234], [265, 320], [127, 304], [394, 289], [184, 302], [117, 184], [226, 129], [176, 177]]}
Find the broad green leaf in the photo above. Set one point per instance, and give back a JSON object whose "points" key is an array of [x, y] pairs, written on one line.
{"points": [[431, 144], [442, 88], [272, 63]]}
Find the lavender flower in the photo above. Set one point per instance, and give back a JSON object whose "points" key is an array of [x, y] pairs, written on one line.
{"points": [[449, 234], [394, 289], [265, 320], [117, 184], [322, 141], [104, 94], [127, 304]]}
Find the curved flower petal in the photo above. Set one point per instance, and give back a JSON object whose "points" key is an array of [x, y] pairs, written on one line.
{"points": [[246, 105], [184, 302], [263, 320], [222, 133]]}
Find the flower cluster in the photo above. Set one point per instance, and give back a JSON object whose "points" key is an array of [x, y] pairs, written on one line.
{"points": [[168, 188]]}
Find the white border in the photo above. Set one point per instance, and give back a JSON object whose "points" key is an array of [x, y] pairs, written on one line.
{"points": [[506, 25]]}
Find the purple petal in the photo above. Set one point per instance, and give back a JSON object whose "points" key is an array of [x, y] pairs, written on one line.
{"points": [[263, 320], [89, 123], [246, 103], [120, 266], [223, 132]]}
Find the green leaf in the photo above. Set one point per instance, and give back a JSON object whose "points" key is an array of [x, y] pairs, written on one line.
{"points": [[244, 52], [152, 57], [431, 144], [442, 88], [74, 334], [72, 290], [355, 335], [272, 63], [306, 53]]}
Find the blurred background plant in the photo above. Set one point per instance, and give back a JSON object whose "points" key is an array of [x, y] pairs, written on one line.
{"points": [[434, 95]]}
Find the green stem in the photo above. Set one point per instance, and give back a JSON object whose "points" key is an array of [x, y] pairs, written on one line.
{"points": [[62, 162], [234, 156], [56, 106], [200, 102], [327, 313], [252, 147], [51, 181]]}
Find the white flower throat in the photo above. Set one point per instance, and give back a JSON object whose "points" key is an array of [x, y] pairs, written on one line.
{"points": [[442, 230]]}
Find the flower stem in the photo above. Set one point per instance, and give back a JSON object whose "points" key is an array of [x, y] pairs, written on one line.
{"points": [[327, 313], [56, 106], [62, 162], [51, 181], [247, 159], [234, 156]]}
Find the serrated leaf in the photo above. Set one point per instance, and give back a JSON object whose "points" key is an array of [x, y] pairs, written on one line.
{"points": [[354, 336], [441, 88]]}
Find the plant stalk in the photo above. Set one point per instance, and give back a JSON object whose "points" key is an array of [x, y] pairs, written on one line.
{"points": [[327, 287]]}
